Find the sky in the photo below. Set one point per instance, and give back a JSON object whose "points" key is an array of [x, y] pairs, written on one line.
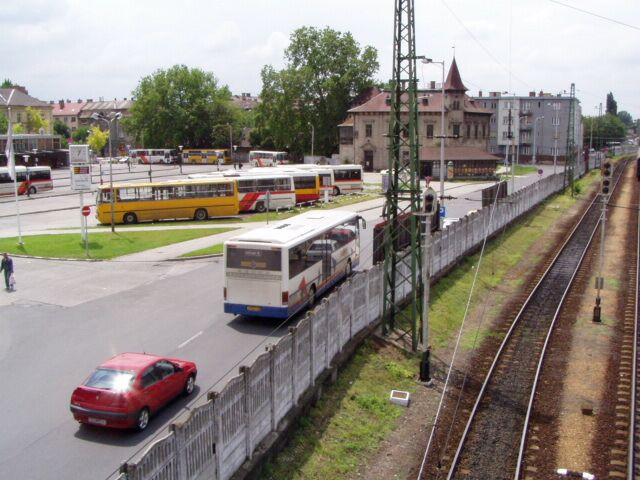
{"points": [[71, 49]]}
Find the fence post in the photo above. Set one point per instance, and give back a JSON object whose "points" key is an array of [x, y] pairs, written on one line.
{"points": [[247, 414], [272, 368], [217, 431], [180, 450], [294, 362]]}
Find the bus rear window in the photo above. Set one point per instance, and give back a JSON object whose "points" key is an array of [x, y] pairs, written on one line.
{"points": [[254, 259]]}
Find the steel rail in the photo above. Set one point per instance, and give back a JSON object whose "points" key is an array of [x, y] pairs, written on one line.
{"points": [[633, 410]]}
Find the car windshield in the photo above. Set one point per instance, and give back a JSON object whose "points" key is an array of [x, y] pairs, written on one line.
{"points": [[320, 247], [110, 379]]}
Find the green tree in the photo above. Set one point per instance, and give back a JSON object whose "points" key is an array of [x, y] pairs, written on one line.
{"points": [[18, 128], [325, 71], [35, 122], [606, 129], [97, 139], [4, 124], [6, 83], [612, 105], [178, 106], [626, 118], [80, 135], [62, 129]]}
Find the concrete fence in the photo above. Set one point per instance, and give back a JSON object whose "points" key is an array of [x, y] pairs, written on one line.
{"points": [[224, 433]]}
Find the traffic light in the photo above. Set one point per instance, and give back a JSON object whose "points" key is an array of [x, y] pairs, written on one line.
{"points": [[430, 202], [606, 177]]}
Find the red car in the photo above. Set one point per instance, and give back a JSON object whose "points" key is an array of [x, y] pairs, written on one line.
{"points": [[126, 390]]}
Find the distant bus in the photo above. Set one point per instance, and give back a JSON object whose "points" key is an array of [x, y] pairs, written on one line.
{"points": [[306, 183], [198, 199], [30, 180], [153, 155], [278, 270], [264, 158], [347, 178], [252, 189], [210, 156]]}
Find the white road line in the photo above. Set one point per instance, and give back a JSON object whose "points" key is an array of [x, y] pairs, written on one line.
{"points": [[190, 339]]}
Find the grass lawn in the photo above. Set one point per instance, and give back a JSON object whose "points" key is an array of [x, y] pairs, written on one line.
{"points": [[354, 416], [350, 420], [102, 245], [212, 250]]}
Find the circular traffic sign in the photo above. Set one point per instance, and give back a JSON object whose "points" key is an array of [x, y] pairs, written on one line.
{"points": [[540, 171], [86, 210]]}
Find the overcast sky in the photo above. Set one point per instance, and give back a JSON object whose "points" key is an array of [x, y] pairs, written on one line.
{"points": [[85, 49]]}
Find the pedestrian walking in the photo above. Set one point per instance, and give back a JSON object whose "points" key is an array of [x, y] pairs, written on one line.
{"points": [[6, 266]]}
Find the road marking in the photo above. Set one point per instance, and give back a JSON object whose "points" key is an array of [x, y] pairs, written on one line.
{"points": [[190, 339]]}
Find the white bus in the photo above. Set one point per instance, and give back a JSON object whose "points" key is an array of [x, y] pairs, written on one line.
{"points": [[347, 178], [153, 155], [277, 270], [30, 180], [264, 158]]}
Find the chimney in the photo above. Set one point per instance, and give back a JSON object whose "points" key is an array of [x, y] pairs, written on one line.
{"points": [[68, 101], [125, 99], [52, 102], [480, 93], [541, 93], [79, 100], [532, 94], [432, 85], [61, 104], [89, 100]]}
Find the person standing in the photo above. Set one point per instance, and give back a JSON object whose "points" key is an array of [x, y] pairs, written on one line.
{"points": [[6, 266]]}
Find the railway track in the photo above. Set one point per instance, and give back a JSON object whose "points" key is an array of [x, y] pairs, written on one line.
{"points": [[494, 438], [631, 345]]}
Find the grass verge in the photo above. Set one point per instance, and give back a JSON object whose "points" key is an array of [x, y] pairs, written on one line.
{"points": [[350, 420], [211, 250], [354, 416], [101, 245]]}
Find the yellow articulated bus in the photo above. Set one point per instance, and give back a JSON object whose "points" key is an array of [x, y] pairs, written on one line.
{"points": [[211, 156], [197, 199]]}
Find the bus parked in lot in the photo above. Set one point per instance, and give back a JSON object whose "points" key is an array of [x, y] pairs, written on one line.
{"points": [[347, 178], [306, 183], [153, 155], [277, 270], [212, 156], [198, 199], [30, 180], [264, 158]]}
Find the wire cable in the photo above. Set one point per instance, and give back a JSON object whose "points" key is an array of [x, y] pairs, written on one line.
{"points": [[608, 19]]}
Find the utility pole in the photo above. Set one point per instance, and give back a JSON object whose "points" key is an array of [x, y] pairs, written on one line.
{"points": [[510, 151], [403, 198], [570, 158]]}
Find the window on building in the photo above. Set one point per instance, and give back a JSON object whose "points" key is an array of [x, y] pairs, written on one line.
{"points": [[456, 130], [468, 130], [430, 130], [504, 135], [19, 117], [475, 131], [368, 129], [505, 120], [484, 131], [556, 106], [527, 106], [555, 121]]}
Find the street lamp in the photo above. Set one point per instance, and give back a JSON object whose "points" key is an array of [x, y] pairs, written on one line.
{"points": [[535, 122], [313, 138], [442, 131], [112, 117]]}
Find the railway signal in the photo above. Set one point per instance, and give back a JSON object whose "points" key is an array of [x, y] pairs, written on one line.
{"points": [[430, 202], [606, 177]]}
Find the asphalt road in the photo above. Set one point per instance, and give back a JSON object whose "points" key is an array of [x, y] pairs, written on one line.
{"points": [[67, 317]]}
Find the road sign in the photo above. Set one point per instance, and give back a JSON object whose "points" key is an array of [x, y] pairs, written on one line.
{"points": [[540, 171], [78, 154], [442, 212], [86, 210], [80, 176]]}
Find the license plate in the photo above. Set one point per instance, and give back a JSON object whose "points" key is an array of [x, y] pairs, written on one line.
{"points": [[254, 309], [97, 421]]}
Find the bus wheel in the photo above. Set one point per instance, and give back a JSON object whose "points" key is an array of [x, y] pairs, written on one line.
{"points": [[33, 190], [201, 214], [349, 269], [312, 296], [130, 218], [336, 191], [260, 207]]}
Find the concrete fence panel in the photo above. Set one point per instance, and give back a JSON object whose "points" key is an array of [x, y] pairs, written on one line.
{"points": [[195, 443], [343, 328], [359, 316], [346, 296], [301, 358], [334, 345], [374, 299], [158, 462], [282, 374], [258, 396], [318, 324], [231, 427]]}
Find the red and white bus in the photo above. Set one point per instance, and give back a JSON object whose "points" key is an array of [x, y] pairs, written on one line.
{"points": [[153, 155], [30, 180], [347, 178], [306, 183], [264, 158]]}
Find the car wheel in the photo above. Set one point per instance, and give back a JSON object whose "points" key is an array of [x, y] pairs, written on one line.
{"points": [[260, 207], [143, 419], [336, 191], [312, 296], [349, 268], [201, 214], [189, 386], [33, 190], [130, 218]]}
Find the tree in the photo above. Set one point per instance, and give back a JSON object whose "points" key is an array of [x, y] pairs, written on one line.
{"points": [[97, 139], [612, 105], [626, 118], [80, 135], [18, 128], [178, 106], [325, 71], [606, 129], [7, 83], [35, 122], [62, 129]]}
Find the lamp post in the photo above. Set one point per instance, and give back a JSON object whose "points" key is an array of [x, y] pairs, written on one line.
{"points": [[112, 117], [555, 146], [180, 159], [313, 138], [442, 131], [535, 122]]}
